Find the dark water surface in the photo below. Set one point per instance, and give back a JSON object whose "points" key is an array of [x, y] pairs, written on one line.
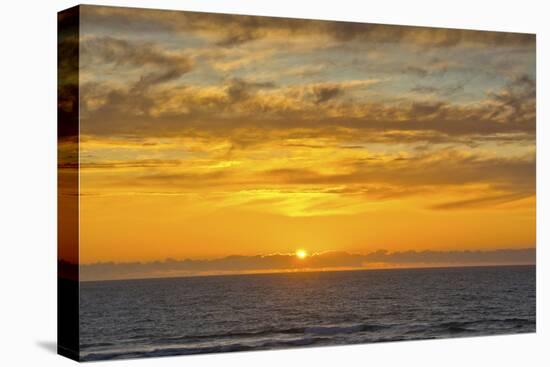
{"points": [[160, 317]]}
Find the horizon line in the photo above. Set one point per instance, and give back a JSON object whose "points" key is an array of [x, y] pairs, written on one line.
{"points": [[293, 254], [301, 271]]}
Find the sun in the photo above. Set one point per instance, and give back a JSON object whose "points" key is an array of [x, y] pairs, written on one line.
{"points": [[301, 254]]}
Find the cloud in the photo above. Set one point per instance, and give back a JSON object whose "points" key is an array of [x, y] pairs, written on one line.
{"points": [[515, 256], [517, 98], [240, 103], [222, 102], [155, 78], [324, 93], [123, 53], [486, 181], [483, 201], [435, 66], [68, 76], [239, 89], [142, 163], [416, 70], [442, 91], [67, 111], [444, 168], [228, 30], [289, 262]]}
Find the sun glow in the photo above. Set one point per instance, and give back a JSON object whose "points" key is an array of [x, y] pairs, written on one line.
{"points": [[301, 254]]}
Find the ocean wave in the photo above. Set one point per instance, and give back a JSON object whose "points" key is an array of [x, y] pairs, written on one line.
{"points": [[470, 326], [334, 330], [320, 330], [273, 338], [460, 325], [173, 351], [269, 338]]}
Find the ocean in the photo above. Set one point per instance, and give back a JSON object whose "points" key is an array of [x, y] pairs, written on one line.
{"points": [[176, 316]]}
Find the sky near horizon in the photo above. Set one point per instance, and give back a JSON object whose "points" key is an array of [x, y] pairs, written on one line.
{"points": [[204, 136]]}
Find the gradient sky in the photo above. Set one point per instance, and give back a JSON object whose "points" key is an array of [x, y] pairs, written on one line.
{"points": [[205, 135]]}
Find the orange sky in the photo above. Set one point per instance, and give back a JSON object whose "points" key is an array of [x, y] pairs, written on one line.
{"points": [[202, 141]]}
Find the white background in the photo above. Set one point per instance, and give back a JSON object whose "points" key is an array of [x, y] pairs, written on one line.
{"points": [[28, 182]]}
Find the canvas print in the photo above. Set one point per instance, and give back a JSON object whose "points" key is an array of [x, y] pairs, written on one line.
{"points": [[242, 183]]}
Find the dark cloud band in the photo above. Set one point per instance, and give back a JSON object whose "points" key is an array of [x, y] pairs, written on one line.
{"points": [[284, 262]]}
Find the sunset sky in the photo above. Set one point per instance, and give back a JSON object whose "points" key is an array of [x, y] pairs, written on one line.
{"points": [[204, 136]]}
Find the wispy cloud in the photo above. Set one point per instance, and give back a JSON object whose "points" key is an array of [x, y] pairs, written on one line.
{"points": [[229, 30]]}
